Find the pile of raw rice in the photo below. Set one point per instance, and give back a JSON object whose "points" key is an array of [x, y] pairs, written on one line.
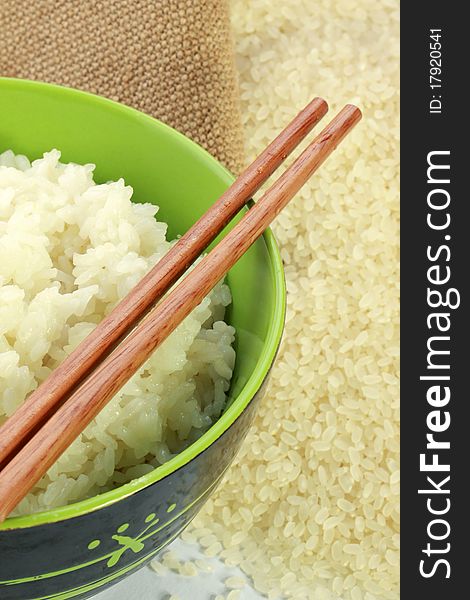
{"points": [[69, 250], [310, 509]]}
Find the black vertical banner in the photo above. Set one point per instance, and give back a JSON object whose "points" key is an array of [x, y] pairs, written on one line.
{"points": [[435, 269]]}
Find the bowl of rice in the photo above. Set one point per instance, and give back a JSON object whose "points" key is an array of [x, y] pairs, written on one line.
{"points": [[92, 195]]}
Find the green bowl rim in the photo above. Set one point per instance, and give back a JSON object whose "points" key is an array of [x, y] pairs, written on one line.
{"points": [[249, 390]]}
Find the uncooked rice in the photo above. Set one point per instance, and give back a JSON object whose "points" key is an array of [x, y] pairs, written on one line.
{"points": [[310, 508], [69, 250]]}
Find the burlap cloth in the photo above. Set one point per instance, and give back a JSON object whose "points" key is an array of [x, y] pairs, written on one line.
{"points": [[172, 59]]}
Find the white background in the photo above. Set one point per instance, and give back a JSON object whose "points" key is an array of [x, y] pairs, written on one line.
{"points": [[145, 584]]}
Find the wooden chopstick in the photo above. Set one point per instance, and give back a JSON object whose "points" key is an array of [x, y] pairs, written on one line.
{"points": [[32, 462], [52, 393]]}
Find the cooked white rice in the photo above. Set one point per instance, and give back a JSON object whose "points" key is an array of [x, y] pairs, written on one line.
{"points": [[69, 250]]}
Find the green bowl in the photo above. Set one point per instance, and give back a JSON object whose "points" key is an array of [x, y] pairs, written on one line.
{"points": [[76, 550]]}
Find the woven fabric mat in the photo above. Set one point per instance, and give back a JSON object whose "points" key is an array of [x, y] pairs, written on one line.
{"points": [[172, 59]]}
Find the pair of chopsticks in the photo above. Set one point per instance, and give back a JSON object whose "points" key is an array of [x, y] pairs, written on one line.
{"points": [[51, 418]]}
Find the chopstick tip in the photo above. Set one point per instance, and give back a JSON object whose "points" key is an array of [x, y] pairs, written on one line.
{"points": [[320, 104], [354, 110]]}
